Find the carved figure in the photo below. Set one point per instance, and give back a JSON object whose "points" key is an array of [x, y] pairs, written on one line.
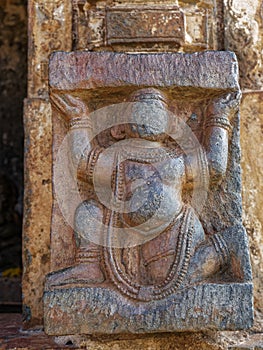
{"points": [[152, 170]]}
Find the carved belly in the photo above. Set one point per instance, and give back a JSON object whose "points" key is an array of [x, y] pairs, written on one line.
{"points": [[146, 194]]}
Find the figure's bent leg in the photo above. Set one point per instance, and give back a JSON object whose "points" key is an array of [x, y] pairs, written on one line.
{"points": [[89, 236], [87, 268]]}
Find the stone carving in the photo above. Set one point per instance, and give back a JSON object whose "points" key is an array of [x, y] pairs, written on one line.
{"points": [[158, 267], [243, 36], [146, 24], [140, 25], [46, 17], [147, 178]]}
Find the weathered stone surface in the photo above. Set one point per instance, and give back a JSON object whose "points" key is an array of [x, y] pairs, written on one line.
{"points": [[250, 342], [12, 337], [252, 154], [244, 35], [97, 286], [144, 24], [98, 310], [37, 206], [84, 70], [151, 25], [239, 47], [49, 30]]}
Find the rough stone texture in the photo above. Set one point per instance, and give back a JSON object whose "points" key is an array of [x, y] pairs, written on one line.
{"points": [[50, 30], [12, 337], [72, 303], [130, 25], [193, 26], [249, 57], [83, 70], [251, 161], [104, 311], [37, 206], [244, 35]]}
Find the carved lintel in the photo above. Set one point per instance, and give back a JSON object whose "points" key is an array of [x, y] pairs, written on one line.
{"points": [[144, 24]]}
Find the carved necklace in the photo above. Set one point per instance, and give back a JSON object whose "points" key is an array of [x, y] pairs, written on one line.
{"points": [[182, 251]]}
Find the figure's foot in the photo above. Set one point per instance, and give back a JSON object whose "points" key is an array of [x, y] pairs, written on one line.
{"points": [[83, 273], [204, 263], [210, 257]]}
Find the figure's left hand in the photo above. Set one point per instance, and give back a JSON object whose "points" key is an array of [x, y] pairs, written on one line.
{"points": [[226, 105]]}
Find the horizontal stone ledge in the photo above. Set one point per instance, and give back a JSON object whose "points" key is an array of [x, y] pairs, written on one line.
{"points": [[96, 310], [92, 70]]}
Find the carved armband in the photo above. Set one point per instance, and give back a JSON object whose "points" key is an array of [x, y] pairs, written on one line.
{"points": [[80, 123], [219, 121], [87, 164], [88, 254]]}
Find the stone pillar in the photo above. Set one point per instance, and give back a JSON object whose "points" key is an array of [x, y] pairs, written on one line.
{"points": [[49, 30], [244, 35]]}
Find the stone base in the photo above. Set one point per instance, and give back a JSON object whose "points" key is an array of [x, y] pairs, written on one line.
{"points": [[96, 310]]}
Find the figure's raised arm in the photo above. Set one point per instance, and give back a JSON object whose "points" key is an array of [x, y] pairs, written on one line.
{"points": [[219, 115], [75, 113]]}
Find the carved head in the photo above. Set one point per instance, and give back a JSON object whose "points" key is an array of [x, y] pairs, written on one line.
{"points": [[149, 115]]}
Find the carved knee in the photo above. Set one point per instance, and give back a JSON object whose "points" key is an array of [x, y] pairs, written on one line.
{"points": [[88, 223]]}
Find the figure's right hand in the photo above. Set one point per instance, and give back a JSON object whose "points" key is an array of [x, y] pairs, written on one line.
{"points": [[69, 106]]}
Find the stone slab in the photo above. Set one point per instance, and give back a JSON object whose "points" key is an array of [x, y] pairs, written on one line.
{"points": [[144, 24], [100, 310], [91, 70], [225, 302], [49, 29], [37, 206], [252, 185]]}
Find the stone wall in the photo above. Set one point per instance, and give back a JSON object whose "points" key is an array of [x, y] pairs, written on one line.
{"points": [[230, 24], [243, 34]]}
